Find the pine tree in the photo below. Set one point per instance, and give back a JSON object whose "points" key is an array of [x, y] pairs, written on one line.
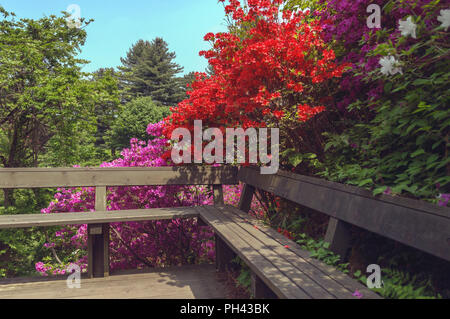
{"points": [[149, 70]]}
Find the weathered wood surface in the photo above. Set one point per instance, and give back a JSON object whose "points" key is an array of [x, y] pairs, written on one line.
{"points": [[415, 223], [245, 201], [338, 235], [218, 194], [259, 289], [186, 282], [116, 176], [337, 283], [57, 219], [98, 240], [276, 254], [285, 288], [286, 273]]}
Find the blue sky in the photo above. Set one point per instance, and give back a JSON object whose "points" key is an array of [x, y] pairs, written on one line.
{"points": [[119, 23]]}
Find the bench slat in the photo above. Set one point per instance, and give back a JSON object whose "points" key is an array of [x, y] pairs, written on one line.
{"points": [[59, 219], [317, 277], [284, 288], [344, 280]]}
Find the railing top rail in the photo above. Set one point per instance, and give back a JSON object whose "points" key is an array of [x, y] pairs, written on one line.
{"points": [[116, 176], [272, 183]]}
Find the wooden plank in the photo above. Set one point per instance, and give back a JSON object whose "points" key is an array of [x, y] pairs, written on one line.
{"points": [[90, 250], [318, 280], [58, 219], [185, 282], [342, 279], [116, 176], [259, 289], [339, 237], [411, 222], [271, 271], [98, 264], [100, 199], [264, 269], [271, 251], [218, 194], [245, 201]]}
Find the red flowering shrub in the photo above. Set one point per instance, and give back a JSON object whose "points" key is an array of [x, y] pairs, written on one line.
{"points": [[268, 71]]}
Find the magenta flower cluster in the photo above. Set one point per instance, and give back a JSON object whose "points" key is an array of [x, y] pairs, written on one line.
{"points": [[139, 244], [346, 22]]}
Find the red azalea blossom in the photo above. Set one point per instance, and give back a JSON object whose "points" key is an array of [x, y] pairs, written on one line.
{"points": [[253, 74]]}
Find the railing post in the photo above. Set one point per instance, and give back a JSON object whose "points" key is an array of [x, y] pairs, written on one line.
{"points": [[245, 201], [218, 195], [339, 236], [98, 240]]}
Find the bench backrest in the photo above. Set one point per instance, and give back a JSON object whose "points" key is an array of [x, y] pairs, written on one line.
{"points": [[116, 176], [100, 178], [412, 222]]}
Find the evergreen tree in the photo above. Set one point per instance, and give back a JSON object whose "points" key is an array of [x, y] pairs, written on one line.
{"points": [[149, 70], [129, 64], [107, 111]]}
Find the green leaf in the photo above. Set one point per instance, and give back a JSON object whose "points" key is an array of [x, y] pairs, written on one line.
{"points": [[365, 182], [417, 153], [379, 190], [296, 159]]}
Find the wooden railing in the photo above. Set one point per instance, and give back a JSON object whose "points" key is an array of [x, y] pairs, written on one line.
{"points": [[101, 178], [414, 223]]}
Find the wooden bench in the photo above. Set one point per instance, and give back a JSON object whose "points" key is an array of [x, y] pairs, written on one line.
{"points": [[101, 178], [414, 223], [279, 267]]}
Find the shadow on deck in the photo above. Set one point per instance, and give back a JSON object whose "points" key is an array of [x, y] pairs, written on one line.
{"points": [[186, 282]]}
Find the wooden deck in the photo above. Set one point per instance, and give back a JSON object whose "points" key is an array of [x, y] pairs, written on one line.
{"points": [[187, 282]]}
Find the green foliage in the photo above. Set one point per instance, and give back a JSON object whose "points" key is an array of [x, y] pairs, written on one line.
{"points": [[20, 249], [149, 70], [303, 4], [44, 97], [295, 159], [106, 111], [397, 284], [401, 285], [133, 120], [319, 249], [405, 144]]}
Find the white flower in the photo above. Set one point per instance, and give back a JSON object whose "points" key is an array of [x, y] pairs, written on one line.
{"points": [[444, 18], [388, 66], [407, 27]]}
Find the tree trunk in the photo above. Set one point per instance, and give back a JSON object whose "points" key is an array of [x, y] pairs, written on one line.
{"points": [[9, 198]]}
